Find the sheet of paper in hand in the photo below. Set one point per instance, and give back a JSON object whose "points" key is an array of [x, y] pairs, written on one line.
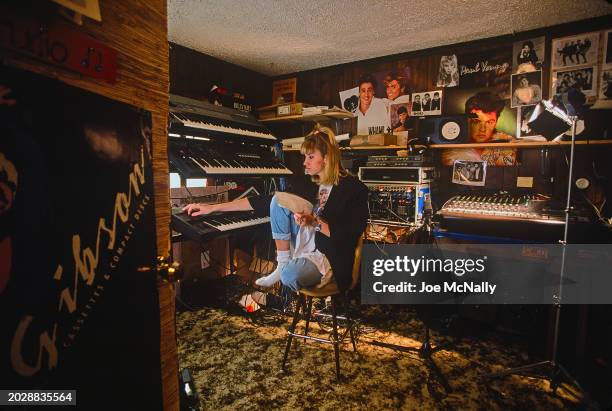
{"points": [[294, 203]]}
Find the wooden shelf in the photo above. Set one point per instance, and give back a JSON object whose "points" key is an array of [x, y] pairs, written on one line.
{"points": [[381, 148], [521, 144], [518, 144], [328, 115]]}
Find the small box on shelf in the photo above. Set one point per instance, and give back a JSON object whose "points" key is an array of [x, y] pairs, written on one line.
{"points": [[280, 110], [374, 140], [293, 109]]}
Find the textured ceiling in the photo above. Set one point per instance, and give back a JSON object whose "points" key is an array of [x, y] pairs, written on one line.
{"points": [[277, 37]]}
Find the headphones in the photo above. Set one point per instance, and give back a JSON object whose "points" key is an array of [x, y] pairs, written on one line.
{"points": [[412, 149]]}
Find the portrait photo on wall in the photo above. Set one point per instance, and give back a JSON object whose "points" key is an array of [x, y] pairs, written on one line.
{"points": [[349, 99], [427, 103], [528, 55], [448, 72], [581, 79], [605, 85], [575, 50], [608, 48], [490, 120], [488, 70], [469, 173], [372, 112], [526, 88], [523, 131], [392, 86], [399, 115]]}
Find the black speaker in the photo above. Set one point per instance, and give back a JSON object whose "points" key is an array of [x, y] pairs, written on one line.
{"points": [[443, 130]]}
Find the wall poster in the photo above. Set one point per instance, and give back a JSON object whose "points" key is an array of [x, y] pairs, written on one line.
{"points": [[487, 70], [575, 50], [77, 221], [379, 98], [489, 119]]}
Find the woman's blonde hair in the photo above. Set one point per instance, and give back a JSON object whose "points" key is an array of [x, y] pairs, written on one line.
{"points": [[322, 139]]}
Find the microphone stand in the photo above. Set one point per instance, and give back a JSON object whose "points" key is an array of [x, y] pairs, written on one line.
{"points": [[425, 350], [552, 370]]}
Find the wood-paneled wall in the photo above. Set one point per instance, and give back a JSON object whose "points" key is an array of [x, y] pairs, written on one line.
{"points": [[321, 86], [137, 29], [192, 74]]}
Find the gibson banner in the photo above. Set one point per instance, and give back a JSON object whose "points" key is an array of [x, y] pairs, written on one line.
{"points": [[76, 223]]}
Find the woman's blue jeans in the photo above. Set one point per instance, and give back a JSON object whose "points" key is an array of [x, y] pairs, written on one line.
{"points": [[299, 272]]}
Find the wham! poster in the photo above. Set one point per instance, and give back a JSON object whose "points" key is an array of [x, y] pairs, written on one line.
{"points": [[76, 223]]}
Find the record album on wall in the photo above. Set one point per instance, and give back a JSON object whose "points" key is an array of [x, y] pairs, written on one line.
{"points": [[489, 119], [443, 130]]}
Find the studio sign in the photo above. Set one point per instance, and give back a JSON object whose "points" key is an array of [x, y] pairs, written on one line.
{"points": [[483, 67]]}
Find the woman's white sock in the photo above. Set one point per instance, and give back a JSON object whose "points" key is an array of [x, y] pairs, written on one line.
{"points": [[282, 258]]}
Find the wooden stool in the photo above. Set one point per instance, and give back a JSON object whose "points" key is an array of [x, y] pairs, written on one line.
{"points": [[304, 303]]}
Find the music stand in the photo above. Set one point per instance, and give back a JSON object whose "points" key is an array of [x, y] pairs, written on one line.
{"points": [[550, 122]]}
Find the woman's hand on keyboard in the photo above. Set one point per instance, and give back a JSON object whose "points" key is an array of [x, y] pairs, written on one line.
{"points": [[195, 209]]}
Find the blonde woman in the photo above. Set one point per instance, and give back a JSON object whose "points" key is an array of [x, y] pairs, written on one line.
{"points": [[448, 74], [323, 242]]}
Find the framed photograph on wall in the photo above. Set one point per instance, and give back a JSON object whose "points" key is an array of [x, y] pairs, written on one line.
{"points": [[607, 57], [469, 173], [523, 132], [576, 50], [584, 79], [605, 85], [448, 72], [528, 55], [526, 88], [427, 103], [398, 116]]}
